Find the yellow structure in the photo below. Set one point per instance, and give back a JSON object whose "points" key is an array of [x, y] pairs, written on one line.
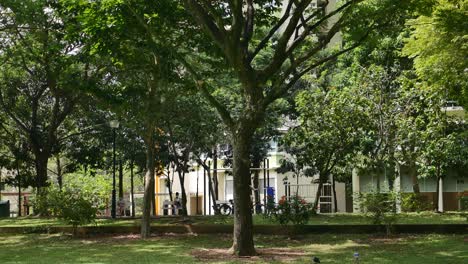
{"points": [[156, 191]]}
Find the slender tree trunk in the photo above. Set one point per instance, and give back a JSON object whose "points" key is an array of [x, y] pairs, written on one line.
{"points": [[183, 199], [436, 203], [1, 185], [243, 244], [256, 164], [59, 172], [335, 201], [210, 185], [18, 175], [132, 191], [169, 184], [318, 194], [183, 194], [211, 191], [414, 177], [121, 193], [215, 173], [438, 193], [376, 170], [153, 197], [149, 182]]}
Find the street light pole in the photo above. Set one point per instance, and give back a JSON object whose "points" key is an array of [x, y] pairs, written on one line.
{"points": [[114, 124]]}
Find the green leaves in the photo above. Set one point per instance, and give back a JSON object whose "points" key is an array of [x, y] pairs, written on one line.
{"points": [[330, 128], [438, 44]]}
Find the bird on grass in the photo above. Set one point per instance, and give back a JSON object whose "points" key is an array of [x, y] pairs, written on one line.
{"points": [[315, 260]]}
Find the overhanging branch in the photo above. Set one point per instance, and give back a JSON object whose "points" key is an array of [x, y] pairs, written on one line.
{"points": [[273, 30], [223, 112], [217, 32], [281, 90]]}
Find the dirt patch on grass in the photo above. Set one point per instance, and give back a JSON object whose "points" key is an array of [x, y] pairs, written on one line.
{"points": [[392, 239], [266, 254], [387, 240]]}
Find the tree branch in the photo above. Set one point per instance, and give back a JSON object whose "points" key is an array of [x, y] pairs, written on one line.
{"points": [[333, 30], [237, 25], [223, 112], [7, 110], [217, 32], [249, 23], [281, 90], [273, 30], [280, 53]]}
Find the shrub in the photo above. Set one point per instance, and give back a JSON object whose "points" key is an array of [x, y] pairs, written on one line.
{"points": [[381, 208], [67, 205], [464, 203], [294, 210], [95, 189], [76, 210], [414, 202], [45, 203]]}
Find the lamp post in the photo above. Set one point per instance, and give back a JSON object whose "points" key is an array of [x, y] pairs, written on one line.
{"points": [[114, 124]]}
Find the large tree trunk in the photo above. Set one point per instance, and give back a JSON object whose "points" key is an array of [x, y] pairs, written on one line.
{"points": [[41, 162], [243, 244], [149, 183]]}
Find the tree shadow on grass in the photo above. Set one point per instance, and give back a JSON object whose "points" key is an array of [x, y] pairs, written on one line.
{"points": [[37, 249]]}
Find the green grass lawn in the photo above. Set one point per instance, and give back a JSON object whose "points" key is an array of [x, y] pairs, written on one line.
{"points": [[33, 248], [323, 219]]}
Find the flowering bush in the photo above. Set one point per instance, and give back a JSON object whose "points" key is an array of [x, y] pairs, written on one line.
{"points": [[294, 210]]}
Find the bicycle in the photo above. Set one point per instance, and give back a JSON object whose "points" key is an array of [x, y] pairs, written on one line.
{"points": [[224, 208]]}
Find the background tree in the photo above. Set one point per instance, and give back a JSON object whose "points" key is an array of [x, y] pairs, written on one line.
{"points": [[139, 66], [445, 146], [415, 106], [437, 44], [40, 74], [330, 127], [189, 124], [296, 39]]}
